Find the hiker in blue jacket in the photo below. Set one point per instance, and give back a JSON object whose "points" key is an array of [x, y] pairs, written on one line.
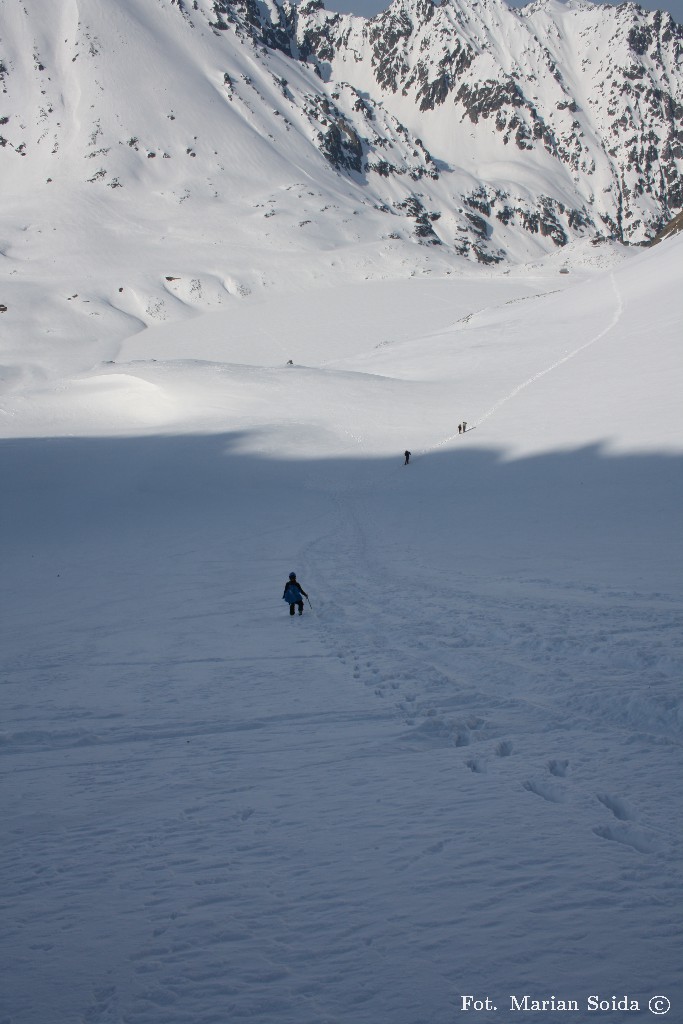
{"points": [[294, 594]]}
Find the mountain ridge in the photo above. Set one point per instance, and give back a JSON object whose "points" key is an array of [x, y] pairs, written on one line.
{"points": [[493, 133]]}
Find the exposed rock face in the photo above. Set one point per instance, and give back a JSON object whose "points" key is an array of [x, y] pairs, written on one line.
{"points": [[470, 122], [674, 227], [596, 89]]}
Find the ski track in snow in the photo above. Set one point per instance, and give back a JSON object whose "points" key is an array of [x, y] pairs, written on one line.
{"points": [[426, 674], [616, 317]]}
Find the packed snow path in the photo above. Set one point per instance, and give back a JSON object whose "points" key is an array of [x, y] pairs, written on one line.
{"points": [[614, 321]]}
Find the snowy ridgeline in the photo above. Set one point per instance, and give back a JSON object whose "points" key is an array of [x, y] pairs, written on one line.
{"points": [[455, 780]]}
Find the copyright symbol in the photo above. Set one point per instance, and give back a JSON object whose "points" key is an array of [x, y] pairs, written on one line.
{"points": [[659, 1005]]}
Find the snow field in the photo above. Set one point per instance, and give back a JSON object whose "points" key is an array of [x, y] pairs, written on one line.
{"points": [[457, 772]]}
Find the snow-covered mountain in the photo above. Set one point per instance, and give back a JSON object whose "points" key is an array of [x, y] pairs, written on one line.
{"points": [[234, 287], [564, 116], [494, 133]]}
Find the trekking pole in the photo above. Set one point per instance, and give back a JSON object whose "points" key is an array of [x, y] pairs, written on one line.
{"points": [[309, 602]]}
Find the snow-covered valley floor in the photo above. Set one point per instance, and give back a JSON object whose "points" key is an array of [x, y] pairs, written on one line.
{"points": [[458, 773]]}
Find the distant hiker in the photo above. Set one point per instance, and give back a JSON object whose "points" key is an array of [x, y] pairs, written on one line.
{"points": [[294, 594], [464, 426], [460, 428], [407, 457], [290, 362]]}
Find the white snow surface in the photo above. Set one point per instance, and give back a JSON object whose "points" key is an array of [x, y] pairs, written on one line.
{"points": [[458, 773]]}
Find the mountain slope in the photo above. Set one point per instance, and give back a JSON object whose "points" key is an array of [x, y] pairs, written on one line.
{"points": [[191, 155], [583, 101], [548, 121]]}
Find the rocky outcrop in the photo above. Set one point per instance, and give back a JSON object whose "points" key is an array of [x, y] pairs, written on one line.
{"points": [[598, 89], [475, 124]]}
